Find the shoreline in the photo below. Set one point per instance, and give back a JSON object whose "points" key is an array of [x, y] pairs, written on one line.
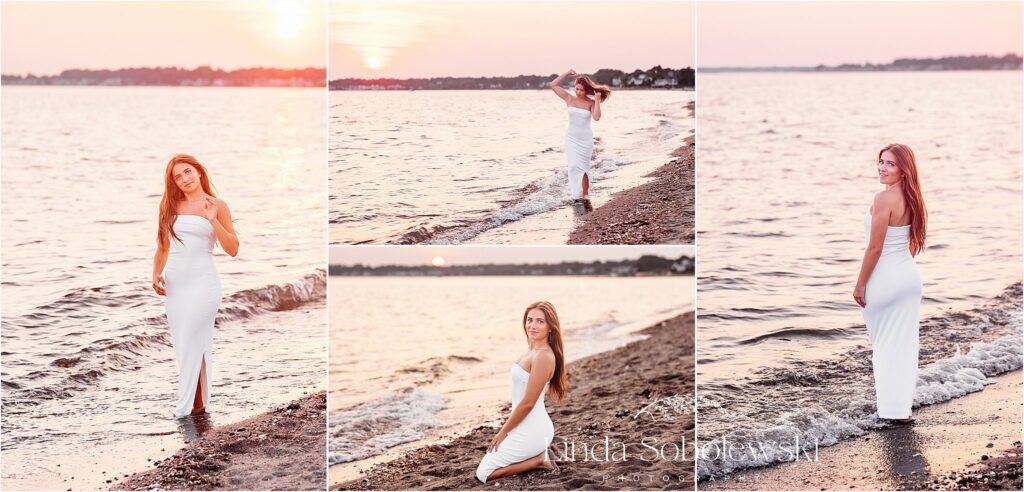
{"points": [[654, 379], [984, 426], [282, 449], [687, 88], [660, 211]]}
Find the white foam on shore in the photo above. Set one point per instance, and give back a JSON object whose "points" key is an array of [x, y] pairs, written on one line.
{"points": [[814, 427], [950, 378], [551, 193], [373, 427]]}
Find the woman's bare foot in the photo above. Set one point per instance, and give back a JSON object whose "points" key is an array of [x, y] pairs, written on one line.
{"points": [[549, 466]]}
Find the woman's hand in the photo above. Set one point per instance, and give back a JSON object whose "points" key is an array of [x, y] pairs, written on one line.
{"points": [[493, 446], [210, 208], [571, 73], [158, 285], [858, 295]]}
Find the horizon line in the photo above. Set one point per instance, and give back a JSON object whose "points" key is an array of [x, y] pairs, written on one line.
{"points": [[558, 262], [510, 76], [863, 63], [197, 67]]}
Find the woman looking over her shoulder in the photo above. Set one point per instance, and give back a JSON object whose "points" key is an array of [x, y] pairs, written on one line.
{"points": [[889, 285]]}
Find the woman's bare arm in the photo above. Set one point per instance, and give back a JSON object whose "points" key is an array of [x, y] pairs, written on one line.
{"points": [[159, 261], [881, 209], [220, 217], [556, 85]]}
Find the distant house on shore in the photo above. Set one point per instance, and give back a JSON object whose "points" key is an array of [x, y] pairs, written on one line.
{"points": [[638, 80]]}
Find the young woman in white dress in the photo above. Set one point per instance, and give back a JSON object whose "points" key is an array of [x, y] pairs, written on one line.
{"points": [[889, 286], [579, 138], [521, 444], [192, 220]]}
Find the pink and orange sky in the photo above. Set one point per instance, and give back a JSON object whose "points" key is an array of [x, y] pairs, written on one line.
{"points": [[415, 38], [746, 34], [46, 37]]}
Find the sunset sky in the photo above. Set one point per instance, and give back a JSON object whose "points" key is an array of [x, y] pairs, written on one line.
{"points": [[406, 39], [46, 37], [473, 255], [745, 34]]}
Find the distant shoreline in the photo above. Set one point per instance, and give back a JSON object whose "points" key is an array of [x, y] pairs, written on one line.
{"points": [[202, 76], [656, 77], [1008, 62], [834, 70], [684, 89], [646, 265]]}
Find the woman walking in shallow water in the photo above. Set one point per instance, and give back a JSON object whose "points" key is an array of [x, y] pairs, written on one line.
{"points": [[889, 286], [521, 444], [192, 220], [579, 138]]}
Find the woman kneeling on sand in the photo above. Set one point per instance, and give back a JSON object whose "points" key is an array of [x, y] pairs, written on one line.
{"points": [[521, 444]]}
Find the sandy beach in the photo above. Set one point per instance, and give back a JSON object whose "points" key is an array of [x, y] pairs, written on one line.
{"points": [[283, 449], [658, 212], [968, 443], [641, 390]]}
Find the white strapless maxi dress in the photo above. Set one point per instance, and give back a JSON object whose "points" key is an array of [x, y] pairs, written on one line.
{"points": [[892, 316], [579, 147], [192, 298], [528, 439]]}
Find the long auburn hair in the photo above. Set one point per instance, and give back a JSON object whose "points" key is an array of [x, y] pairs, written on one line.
{"points": [[559, 384], [591, 87], [910, 186], [173, 195]]}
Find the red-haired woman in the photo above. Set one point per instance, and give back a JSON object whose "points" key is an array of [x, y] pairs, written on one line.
{"points": [[192, 220], [889, 286], [521, 444], [579, 138]]}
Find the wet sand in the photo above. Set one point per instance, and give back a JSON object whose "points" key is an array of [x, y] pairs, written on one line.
{"points": [[968, 443], [658, 212], [641, 390], [284, 449]]}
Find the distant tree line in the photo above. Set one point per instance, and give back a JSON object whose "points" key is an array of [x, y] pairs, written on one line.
{"points": [[176, 76], [647, 265], [654, 78], [975, 62], [1008, 62]]}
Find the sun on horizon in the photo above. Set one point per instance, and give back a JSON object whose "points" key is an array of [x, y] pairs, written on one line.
{"points": [[438, 261], [288, 18]]}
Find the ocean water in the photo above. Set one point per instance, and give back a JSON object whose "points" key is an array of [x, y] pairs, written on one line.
{"points": [[415, 358], [87, 357], [468, 166], [786, 174]]}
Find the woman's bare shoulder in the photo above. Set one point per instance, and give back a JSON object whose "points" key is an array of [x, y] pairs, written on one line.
{"points": [[545, 357], [887, 198]]}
